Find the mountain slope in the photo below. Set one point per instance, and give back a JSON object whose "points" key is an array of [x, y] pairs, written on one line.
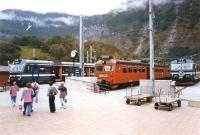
{"points": [[177, 25]]}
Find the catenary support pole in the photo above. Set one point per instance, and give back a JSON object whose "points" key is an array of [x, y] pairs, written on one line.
{"points": [[151, 42], [81, 48]]}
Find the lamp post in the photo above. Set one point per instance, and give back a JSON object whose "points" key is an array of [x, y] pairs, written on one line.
{"points": [[151, 45], [81, 48], [73, 56], [94, 51]]}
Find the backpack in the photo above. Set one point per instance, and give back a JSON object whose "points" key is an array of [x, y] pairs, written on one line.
{"points": [[35, 87], [53, 91]]}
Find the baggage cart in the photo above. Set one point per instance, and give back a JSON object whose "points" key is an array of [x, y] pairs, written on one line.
{"points": [[167, 98], [138, 96]]}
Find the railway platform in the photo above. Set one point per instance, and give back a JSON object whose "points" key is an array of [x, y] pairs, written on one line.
{"points": [[90, 113]]}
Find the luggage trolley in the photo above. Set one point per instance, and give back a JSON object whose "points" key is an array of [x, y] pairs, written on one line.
{"points": [[167, 98], [138, 96]]}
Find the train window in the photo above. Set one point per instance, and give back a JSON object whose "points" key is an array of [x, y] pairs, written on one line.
{"points": [[175, 66], [65, 70], [135, 69], [42, 69], [130, 69], [124, 70], [140, 69], [118, 69], [108, 68], [143, 70], [29, 68], [187, 66], [99, 68], [47, 69]]}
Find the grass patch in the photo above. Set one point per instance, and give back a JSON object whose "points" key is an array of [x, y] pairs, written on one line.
{"points": [[27, 53]]}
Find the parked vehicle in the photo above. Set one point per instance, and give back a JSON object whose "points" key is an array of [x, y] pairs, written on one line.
{"points": [[23, 70], [185, 70], [116, 73]]}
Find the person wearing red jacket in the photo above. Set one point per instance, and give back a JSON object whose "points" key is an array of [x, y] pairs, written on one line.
{"points": [[13, 93]]}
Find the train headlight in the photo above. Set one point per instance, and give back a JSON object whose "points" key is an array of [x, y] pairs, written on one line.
{"points": [[181, 73], [175, 76], [19, 78]]}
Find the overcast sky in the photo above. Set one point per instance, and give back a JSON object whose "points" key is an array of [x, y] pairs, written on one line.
{"points": [[76, 7]]}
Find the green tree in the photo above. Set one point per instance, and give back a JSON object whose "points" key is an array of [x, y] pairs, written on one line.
{"points": [[31, 41], [58, 52], [8, 52]]}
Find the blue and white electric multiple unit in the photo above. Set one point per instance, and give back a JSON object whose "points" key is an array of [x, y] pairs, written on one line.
{"points": [[23, 71], [185, 70]]}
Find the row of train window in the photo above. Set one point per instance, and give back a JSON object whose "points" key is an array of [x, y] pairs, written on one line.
{"points": [[138, 69], [41, 69], [49, 69], [126, 69], [132, 69]]}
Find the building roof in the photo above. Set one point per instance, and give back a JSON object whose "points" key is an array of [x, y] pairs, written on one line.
{"points": [[4, 69]]}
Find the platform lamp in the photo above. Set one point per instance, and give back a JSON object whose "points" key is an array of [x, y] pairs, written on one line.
{"points": [[73, 56]]}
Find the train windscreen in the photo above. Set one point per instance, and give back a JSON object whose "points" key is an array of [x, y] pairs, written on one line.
{"points": [[187, 66], [16, 68], [104, 68], [175, 66], [99, 68]]}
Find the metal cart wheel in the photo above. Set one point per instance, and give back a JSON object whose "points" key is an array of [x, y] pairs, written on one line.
{"points": [[156, 105], [170, 107], [139, 102], [179, 103], [128, 101], [149, 100]]}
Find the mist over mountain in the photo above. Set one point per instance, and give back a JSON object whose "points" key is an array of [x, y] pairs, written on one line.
{"points": [[15, 22], [38, 19], [176, 23]]}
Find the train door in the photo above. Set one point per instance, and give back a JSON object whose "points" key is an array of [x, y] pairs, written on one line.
{"points": [[58, 76], [35, 73], [91, 71], [148, 72]]}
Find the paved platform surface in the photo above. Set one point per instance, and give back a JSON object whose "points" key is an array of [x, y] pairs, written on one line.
{"points": [[97, 114]]}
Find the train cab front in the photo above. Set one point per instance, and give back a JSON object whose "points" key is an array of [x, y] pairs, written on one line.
{"points": [[104, 73], [16, 72], [182, 72]]}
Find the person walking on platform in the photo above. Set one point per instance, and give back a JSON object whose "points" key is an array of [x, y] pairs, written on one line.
{"points": [[27, 97], [63, 93], [13, 93], [35, 87], [52, 91]]}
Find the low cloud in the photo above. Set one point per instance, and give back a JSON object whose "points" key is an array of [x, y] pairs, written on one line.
{"points": [[135, 4], [4, 16], [39, 21]]}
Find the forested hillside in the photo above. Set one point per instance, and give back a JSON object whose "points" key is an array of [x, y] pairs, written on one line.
{"points": [[53, 48], [176, 23]]}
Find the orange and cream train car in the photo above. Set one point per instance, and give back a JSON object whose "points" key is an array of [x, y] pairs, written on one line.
{"points": [[116, 73]]}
